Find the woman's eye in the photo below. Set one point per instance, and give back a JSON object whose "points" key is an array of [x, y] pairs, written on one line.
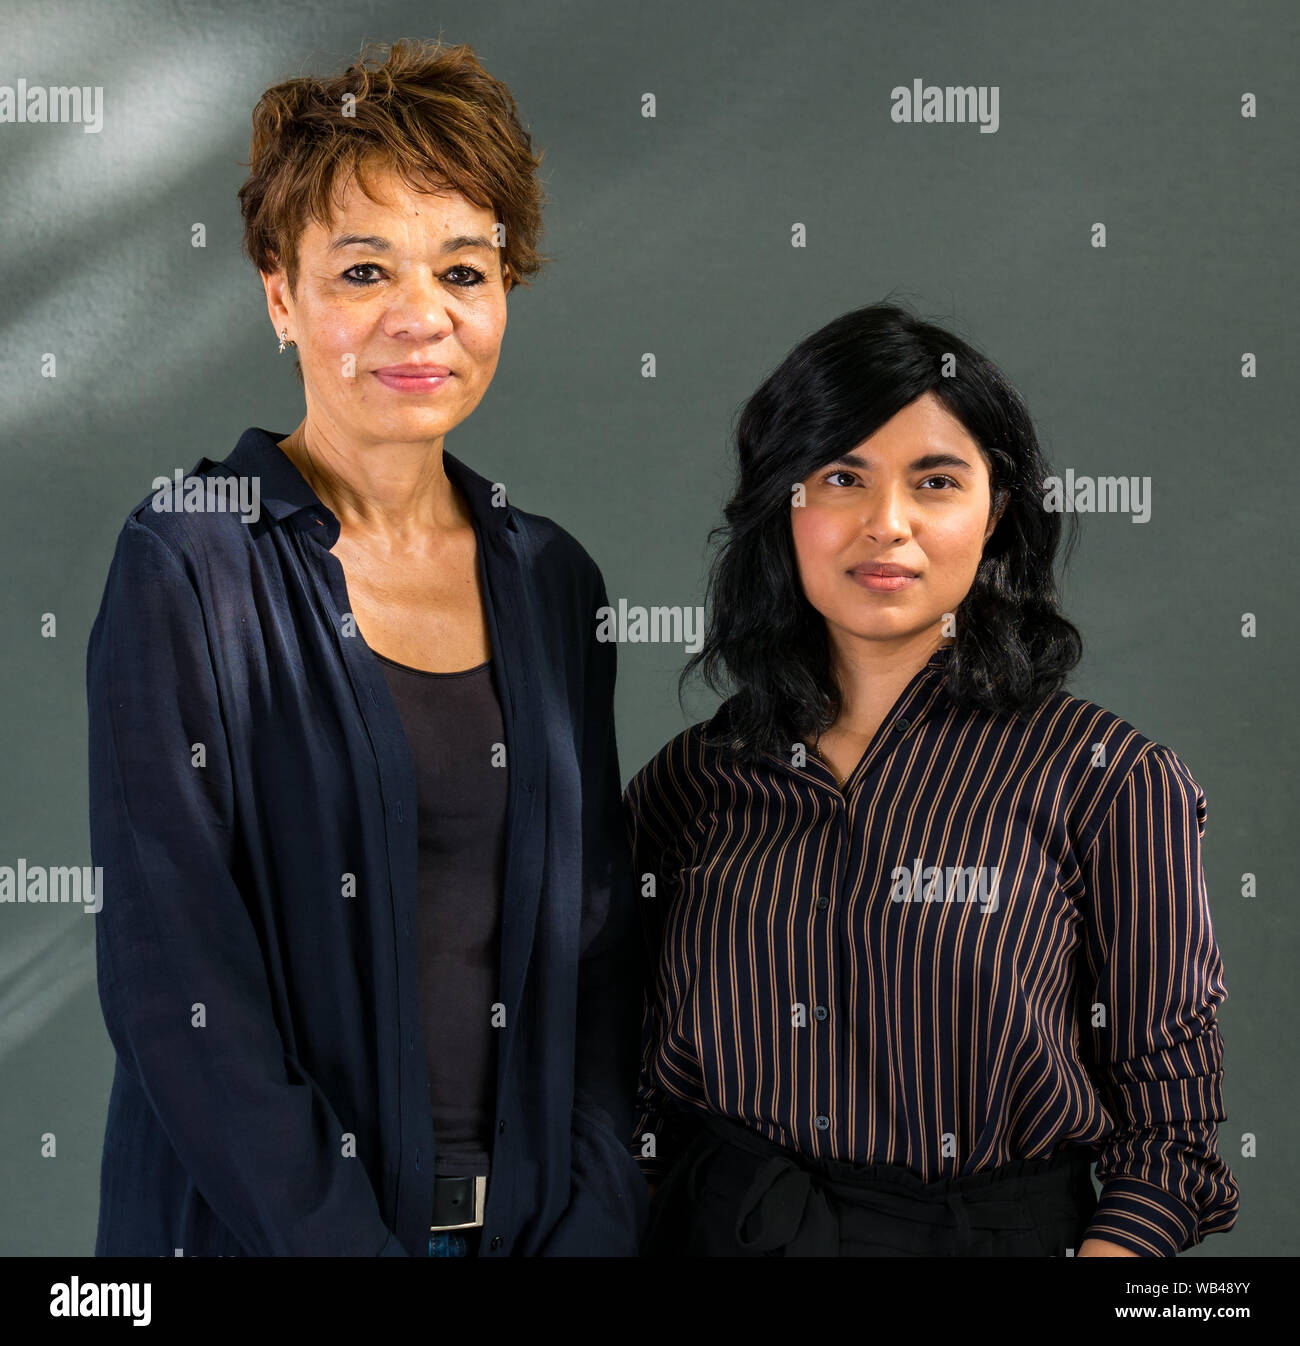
{"points": [[360, 266], [842, 477], [475, 276], [463, 277]]}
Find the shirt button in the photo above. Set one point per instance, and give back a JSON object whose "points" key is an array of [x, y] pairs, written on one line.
{"points": [[902, 725], [820, 1012], [823, 903], [417, 1161], [823, 1123], [501, 1128], [496, 1242]]}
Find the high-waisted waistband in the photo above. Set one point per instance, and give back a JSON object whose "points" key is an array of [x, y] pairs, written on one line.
{"points": [[803, 1205]]}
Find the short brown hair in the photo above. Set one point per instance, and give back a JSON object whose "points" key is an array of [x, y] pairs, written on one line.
{"points": [[428, 112]]}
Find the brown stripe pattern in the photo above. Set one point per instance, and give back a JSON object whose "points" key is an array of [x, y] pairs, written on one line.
{"points": [[993, 942]]}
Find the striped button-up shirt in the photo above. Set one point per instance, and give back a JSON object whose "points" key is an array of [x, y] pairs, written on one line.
{"points": [[994, 940]]}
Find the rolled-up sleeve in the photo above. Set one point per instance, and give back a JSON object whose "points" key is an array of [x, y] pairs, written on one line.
{"points": [[182, 980], [1156, 1056]]}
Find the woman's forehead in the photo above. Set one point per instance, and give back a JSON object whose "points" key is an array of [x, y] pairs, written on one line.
{"points": [[401, 214]]}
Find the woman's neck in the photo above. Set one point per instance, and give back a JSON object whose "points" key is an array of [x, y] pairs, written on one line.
{"points": [[394, 490], [872, 676]]}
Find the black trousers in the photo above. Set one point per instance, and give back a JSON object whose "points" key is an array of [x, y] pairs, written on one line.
{"points": [[733, 1193]]}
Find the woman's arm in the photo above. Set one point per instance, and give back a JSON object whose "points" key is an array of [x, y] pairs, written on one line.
{"points": [[653, 808], [608, 1204], [1155, 973], [182, 981], [608, 985]]}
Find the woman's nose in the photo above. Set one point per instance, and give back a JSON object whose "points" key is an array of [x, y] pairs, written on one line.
{"points": [[420, 306], [883, 512]]}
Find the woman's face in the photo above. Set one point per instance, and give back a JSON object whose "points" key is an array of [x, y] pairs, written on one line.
{"points": [[914, 495], [420, 283]]}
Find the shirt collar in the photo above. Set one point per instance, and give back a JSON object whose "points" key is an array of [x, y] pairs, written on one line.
{"points": [[284, 492], [918, 699]]}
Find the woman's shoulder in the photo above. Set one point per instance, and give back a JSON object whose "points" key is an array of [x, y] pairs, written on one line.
{"points": [[550, 550], [673, 777], [203, 513], [1102, 755], [1080, 725]]}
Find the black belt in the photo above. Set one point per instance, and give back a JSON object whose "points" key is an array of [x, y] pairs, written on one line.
{"points": [[458, 1202]]}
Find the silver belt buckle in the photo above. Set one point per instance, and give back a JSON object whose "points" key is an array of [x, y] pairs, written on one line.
{"points": [[480, 1202]]}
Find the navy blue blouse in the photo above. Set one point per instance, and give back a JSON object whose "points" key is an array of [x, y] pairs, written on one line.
{"points": [[253, 806]]}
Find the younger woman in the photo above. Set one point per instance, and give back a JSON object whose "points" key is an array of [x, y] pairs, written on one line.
{"points": [[928, 933]]}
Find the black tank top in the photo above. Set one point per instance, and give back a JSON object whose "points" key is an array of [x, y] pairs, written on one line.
{"points": [[453, 723]]}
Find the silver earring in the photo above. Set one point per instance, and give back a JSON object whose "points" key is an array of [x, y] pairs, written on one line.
{"points": [[284, 339]]}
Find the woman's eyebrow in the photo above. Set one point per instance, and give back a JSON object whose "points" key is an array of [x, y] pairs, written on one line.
{"points": [[467, 241], [360, 241], [377, 244], [925, 463]]}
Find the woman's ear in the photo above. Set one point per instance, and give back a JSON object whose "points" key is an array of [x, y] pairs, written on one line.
{"points": [[996, 513], [277, 289]]}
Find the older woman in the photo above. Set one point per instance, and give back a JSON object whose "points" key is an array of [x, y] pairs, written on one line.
{"points": [[367, 949], [929, 934]]}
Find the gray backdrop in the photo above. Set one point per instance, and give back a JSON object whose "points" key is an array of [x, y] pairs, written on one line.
{"points": [[673, 235]]}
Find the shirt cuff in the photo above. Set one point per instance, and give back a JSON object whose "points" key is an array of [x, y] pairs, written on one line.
{"points": [[1143, 1218]]}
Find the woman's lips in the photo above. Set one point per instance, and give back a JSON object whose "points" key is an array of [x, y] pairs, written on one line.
{"points": [[411, 383], [883, 584]]}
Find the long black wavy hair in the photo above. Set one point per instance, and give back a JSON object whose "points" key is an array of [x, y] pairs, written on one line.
{"points": [[764, 643]]}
